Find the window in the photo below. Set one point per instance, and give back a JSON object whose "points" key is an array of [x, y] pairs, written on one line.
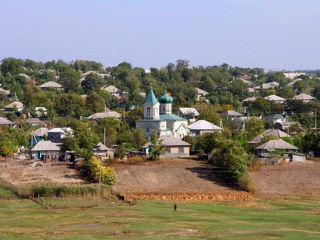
{"points": [[147, 130], [148, 112], [181, 149]]}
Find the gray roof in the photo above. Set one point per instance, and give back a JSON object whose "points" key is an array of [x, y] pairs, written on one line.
{"points": [[303, 96], [278, 144], [45, 146], [101, 147], [231, 113], [15, 103], [173, 141], [6, 92], [111, 89], [4, 121], [203, 125], [106, 114], [40, 132], [51, 84], [249, 99], [34, 121], [275, 132], [186, 111], [202, 92], [275, 98]]}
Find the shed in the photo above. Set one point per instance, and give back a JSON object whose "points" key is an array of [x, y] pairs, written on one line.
{"points": [[175, 147], [297, 157], [103, 151]]}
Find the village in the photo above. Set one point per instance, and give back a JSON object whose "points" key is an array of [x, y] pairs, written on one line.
{"points": [[109, 133]]}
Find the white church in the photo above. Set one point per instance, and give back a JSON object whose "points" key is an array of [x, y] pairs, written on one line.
{"points": [[158, 115]]}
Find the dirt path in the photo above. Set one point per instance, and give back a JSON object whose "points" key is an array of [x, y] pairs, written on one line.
{"points": [[289, 179], [20, 172]]}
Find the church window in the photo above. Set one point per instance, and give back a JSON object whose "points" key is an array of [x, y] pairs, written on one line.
{"points": [[148, 112], [147, 130]]}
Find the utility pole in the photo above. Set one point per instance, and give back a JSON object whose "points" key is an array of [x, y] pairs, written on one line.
{"points": [[99, 186], [315, 120], [104, 136]]}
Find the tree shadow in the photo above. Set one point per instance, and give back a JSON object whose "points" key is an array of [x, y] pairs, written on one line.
{"points": [[211, 174]]}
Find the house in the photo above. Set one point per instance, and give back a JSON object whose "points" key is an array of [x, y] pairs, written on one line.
{"points": [[304, 98], [274, 145], [201, 127], [157, 115], [142, 94], [51, 84], [106, 114], [251, 90], [188, 113], [246, 101], [114, 91], [276, 132], [46, 149], [6, 122], [4, 92], [41, 111], [296, 157], [38, 135], [245, 79], [293, 75], [101, 150], [15, 106], [32, 81], [174, 147], [284, 125], [35, 122], [56, 135], [276, 118], [276, 99], [201, 93], [231, 114], [290, 84]]}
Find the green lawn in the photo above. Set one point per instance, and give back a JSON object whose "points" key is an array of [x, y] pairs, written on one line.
{"points": [[25, 219]]}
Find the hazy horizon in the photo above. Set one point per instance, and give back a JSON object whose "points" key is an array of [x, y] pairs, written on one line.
{"points": [[274, 35]]}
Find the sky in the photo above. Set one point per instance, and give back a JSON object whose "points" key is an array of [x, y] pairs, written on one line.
{"points": [[271, 34]]}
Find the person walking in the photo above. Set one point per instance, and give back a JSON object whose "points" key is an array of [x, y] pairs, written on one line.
{"points": [[175, 207]]}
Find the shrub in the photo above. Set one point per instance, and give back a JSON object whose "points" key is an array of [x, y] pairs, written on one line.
{"points": [[245, 183], [107, 174]]}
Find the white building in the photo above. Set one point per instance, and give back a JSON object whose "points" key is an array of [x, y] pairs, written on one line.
{"points": [[157, 115]]}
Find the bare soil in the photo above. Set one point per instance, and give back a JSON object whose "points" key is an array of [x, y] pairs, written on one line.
{"points": [[20, 172], [174, 179], [296, 178]]}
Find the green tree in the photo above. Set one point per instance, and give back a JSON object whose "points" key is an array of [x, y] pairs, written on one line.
{"points": [[254, 127], [139, 138], [92, 82], [95, 103], [156, 146], [231, 159], [70, 80]]}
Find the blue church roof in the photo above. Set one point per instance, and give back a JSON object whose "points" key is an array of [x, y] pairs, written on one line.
{"points": [[151, 98], [166, 98], [170, 117]]}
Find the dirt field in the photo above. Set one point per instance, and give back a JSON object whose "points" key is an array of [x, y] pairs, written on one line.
{"points": [[169, 177], [20, 172], [289, 179]]}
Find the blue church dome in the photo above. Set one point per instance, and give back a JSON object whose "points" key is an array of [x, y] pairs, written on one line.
{"points": [[166, 98]]}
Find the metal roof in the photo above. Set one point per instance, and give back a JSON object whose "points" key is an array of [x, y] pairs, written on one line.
{"points": [[173, 141], [151, 98], [45, 146], [51, 84], [203, 125], [171, 117], [190, 111], [278, 144]]}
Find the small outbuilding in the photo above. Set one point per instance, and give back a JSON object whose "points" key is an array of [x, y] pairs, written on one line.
{"points": [[103, 151], [175, 147]]}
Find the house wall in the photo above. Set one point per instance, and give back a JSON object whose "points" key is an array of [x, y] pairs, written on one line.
{"points": [[174, 151], [298, 158], [160, 126]]}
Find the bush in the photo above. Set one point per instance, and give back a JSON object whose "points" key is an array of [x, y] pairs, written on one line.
{"points": [[107, 174], [231, 160], [245, 183]]}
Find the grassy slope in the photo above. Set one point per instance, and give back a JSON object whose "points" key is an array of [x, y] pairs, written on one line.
{"points": [[24, 219]]}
